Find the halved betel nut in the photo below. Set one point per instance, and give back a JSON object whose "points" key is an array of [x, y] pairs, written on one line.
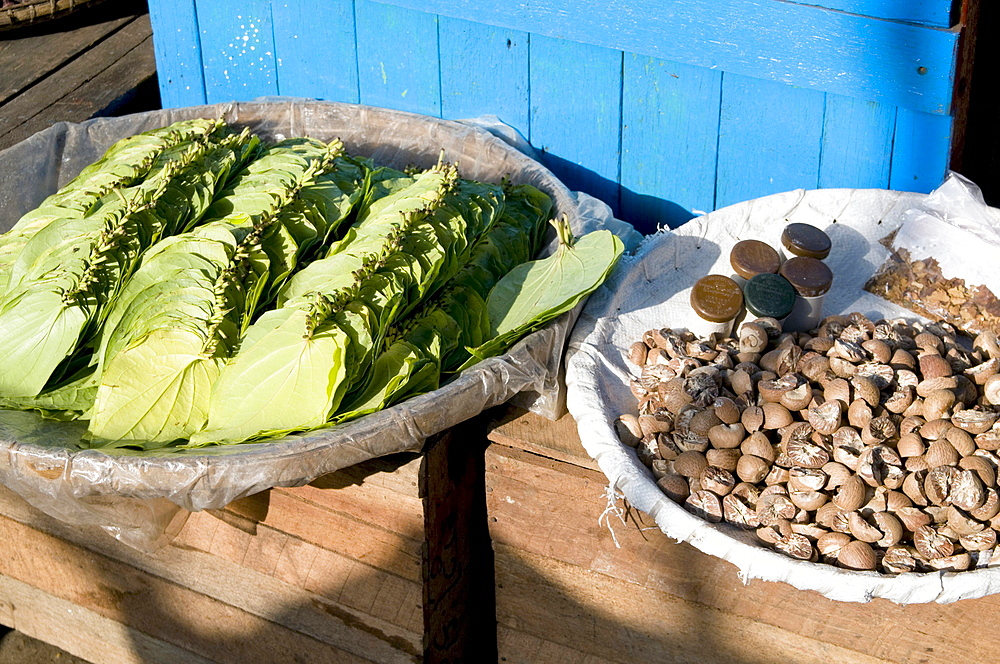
{"points": [[826, 418], [705, 504]]}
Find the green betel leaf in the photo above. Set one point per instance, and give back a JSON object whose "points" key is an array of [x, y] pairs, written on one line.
{"points": [[536, 292], [79, 265], [434, 339], [29, 358], [153, 391], [124, 164], [282, 379], [222, 273], [67, 402], [396, 250], [402, 365], [550, 286]]}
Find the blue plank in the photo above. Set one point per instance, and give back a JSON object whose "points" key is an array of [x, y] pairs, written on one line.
{"points": [[769, 139], [810, 47], [857, 143], [670, 129], [576, 114], [921, 151], [237, 49], [177, 48], [484, 70], [398, 58], [926, 12], [316, 58]]}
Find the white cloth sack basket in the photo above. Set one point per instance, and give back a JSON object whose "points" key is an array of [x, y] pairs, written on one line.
{"points": [[651, 289]]}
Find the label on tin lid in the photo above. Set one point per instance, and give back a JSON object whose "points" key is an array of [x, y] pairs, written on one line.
{"points": [[769, 295], [806, 240], [716, 298], [809, 276], [753, 257]]}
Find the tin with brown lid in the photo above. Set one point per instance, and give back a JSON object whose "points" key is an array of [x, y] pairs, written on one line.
{"points": [[715, 300], [805, 240], [812, 279], [749, 258]]}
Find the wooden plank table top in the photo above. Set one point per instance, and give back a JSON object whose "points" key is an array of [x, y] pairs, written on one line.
{"points": [[559, 570], [72, 69]]}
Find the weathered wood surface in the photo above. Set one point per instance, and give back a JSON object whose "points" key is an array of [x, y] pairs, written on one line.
{"points": [[566, 593], [459, 600], [325, 573], [51, 73], [559, 440], [803, 45], [385, 561], [29, 12], [660, 109]]}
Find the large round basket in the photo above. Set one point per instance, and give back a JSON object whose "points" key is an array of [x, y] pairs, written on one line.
{"points": [[40, 459], [651, 290]]}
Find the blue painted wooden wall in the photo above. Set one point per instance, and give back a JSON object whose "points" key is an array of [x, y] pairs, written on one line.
{"points": [[659, 107]]}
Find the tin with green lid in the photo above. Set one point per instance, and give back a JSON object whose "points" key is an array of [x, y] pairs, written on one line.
{"points": [[768, 296]]}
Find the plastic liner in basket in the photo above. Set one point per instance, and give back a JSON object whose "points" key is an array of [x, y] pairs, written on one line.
{"points": [[651, 290], [137, 496]]}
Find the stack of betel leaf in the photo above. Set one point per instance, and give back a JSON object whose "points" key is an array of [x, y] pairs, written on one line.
{"points": [[195, 287]]}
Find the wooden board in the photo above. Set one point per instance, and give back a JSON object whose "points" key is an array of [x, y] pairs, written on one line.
{"points": [[522, 429], [565, 592], [385, 561], [810, 47], [299, 37], [72, 79], [661, 110], [23, 60], [668, 109], [238, 53], [223, 593], [927, 12], [406, 78], [178, 53]]}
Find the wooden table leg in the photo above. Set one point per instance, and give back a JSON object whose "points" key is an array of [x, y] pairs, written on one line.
{"points": [[459, 593]]}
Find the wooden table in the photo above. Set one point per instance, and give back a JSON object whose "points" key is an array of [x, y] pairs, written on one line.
{"points": [[90, 64], [374, 563], [567, 593], [469, 552]]}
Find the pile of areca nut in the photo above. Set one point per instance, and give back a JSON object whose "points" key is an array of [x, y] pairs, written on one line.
{"points": [[865, 444]]}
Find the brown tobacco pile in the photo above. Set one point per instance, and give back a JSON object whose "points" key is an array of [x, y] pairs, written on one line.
{"points": [[921, 287]]}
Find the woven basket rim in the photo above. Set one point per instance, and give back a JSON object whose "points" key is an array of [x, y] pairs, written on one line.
{"points": [[31, 12]]}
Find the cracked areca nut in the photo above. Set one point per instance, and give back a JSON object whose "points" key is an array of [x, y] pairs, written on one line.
{"points": [[758, 444], [727, 436], [900, 559], [690, 464], [724, 458], [826, 417], [931, 544], [851, 495], [717, 480], [776, 416], [705, 504], [796, 546], [675, 486]]}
